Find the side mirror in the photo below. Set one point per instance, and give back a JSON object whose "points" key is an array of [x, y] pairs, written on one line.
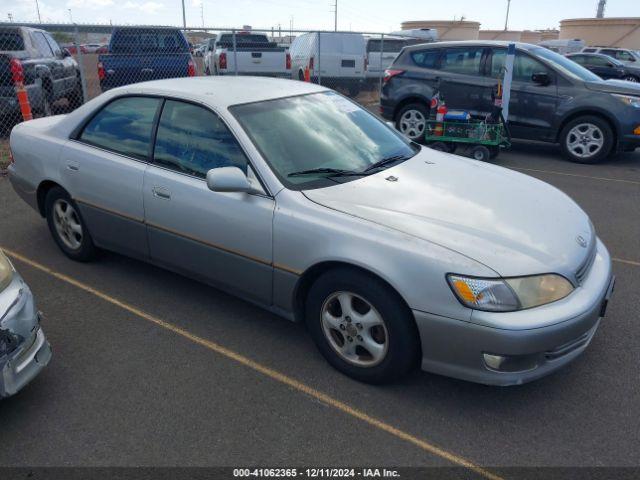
{"points": [[66, 53], [230, 179], [541, 78]]}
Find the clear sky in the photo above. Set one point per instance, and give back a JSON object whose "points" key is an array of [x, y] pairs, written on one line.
{"points": [[364, 15]]}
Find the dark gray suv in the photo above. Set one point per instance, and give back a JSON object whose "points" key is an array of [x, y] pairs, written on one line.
{"points": [[553, 99]]}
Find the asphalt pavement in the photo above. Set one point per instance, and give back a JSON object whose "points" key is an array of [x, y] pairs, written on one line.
{"points": [[153, 369]]}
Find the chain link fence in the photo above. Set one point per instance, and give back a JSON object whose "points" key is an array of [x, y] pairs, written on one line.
{"points": [[52, 69]]}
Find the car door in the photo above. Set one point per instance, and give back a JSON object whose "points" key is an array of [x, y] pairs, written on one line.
{"points": [[461, 81], [533, 105], [103, 170], [222, 238], [66, 64], [49, 61]]}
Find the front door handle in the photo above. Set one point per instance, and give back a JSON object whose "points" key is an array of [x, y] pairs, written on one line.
{"points": [[161, 192], [75, 166]]}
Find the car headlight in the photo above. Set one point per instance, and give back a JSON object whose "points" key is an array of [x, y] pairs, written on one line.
{"points": [[6, 272], [628, 100], [509, 294]]}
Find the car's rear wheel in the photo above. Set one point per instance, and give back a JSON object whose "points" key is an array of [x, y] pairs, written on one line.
{"points": [[361, 326], [411, 121], [586, 139], [67, 226]]}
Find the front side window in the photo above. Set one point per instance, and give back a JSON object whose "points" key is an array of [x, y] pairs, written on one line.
{"points": [[578, 59], [193, 140], [124, 126], [54, 45], [318, 131], [41, 44], [524, 66], [462, 60]]}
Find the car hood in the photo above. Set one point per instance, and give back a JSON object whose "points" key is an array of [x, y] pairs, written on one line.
{"points": [[615, 86], [510, 222]]}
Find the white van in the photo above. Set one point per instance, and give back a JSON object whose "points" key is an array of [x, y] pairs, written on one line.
{"points": [[381, 53], [339, 59]]}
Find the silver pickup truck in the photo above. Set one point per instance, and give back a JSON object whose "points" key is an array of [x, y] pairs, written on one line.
{"points": [[253, 54]]}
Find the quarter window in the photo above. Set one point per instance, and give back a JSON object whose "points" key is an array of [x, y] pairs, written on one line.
{"points": [[124, 126], [426, 58], [462, 60], [193, 140]]}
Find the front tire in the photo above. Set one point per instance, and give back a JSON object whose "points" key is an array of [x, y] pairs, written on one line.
{"points": [[361, 326], [587, 139], [67, 226], [411, 121]]}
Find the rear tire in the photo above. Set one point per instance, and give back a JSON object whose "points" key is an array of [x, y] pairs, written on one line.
{"points": [[67, 226], [587, 139], [361, 326], [411, 121], [480, 153]]}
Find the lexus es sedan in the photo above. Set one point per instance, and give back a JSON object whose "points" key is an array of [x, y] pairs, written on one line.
{"points": [[291, 196], [24, 350]]}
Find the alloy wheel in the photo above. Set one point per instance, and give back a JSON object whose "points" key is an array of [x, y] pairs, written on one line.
{"points": [[355, 329], [413, 124], [67, 224], [585, 140]]}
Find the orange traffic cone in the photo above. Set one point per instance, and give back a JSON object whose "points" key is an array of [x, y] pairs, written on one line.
{"points": [[307, 74], [17, 74]]}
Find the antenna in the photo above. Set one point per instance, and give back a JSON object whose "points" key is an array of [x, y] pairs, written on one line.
{"points": [[601, 5]]}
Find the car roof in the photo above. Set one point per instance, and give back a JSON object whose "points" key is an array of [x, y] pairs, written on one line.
{"points": [[472, 43], [223, 91]]}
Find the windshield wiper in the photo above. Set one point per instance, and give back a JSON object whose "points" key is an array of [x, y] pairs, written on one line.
{"points": [[386, 161], [332, 172]]}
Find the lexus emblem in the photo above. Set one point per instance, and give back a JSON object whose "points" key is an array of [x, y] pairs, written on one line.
{"points": [[581, 241]]}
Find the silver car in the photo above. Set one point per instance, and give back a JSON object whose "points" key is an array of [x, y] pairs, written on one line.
{"points": [[293, 197], [24, 350]]}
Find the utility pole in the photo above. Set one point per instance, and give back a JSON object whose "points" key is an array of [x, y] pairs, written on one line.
{"points": [[70, 16], [506, 20], [10, 17], [601, 5], [184, 17], [202, 13], [38, 10], [335, 12]]}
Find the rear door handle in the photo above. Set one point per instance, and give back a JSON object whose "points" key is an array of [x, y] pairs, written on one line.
{"points": [[161, 192]]}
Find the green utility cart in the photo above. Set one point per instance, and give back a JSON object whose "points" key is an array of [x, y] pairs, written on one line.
{"points": [[477, 139]]}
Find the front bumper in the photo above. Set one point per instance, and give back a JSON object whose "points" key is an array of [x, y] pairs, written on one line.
{"points": [[29, 351], [457, 348]]}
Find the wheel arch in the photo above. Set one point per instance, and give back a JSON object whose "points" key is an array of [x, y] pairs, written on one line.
{"points": [[314, 272], [413, 98], [41, 194]]}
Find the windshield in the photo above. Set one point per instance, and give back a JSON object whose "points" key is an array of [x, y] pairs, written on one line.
{"points": [[321, 130], [566, 65]]}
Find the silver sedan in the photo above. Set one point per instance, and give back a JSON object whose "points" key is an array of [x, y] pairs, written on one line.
{"points": [[24, 350], [295, 198]]}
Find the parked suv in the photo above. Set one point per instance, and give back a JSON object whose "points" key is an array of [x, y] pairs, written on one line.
{"points": [[50, 73], [553, 99], [606, 67], [623, 55]]}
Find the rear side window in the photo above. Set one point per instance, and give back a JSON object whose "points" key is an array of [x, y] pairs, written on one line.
{"points": [[589, 50], [426, 58], [462, 60], [193, 140], [41, 44], [10, 41], [124, 126], [386, 46]]}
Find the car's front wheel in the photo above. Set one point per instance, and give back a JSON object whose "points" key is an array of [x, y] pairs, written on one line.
{"points": [[411, 121], [67, 226], [361, 326], [586, 139]]}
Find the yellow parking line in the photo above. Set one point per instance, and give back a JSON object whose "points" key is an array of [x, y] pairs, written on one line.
{"points": [[269, 372], [607, 179], [627, 262]]}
